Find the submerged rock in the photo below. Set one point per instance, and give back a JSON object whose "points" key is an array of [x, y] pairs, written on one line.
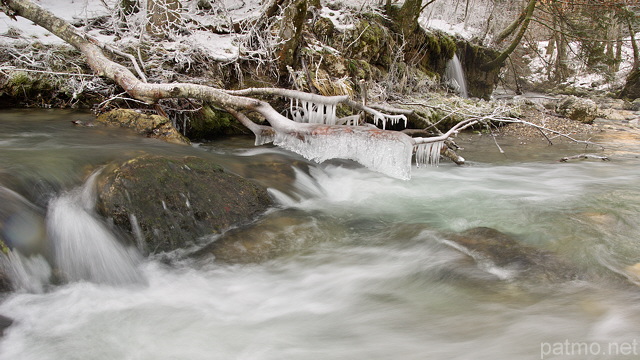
{"points": [[166, 203], [5, 322], [498, 249], [21, 224], [22, 229], [277, 234]]}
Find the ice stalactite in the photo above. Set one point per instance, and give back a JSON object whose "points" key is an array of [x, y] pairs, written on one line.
{"points": [[393, 119], [303, 111], [390, 156], [429, 153], [313, 113]]}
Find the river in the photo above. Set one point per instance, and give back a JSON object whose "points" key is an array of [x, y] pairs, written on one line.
{"points": [[368, 272]]}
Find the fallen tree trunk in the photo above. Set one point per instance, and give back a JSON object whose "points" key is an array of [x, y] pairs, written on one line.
{"points": [[362, 149]]}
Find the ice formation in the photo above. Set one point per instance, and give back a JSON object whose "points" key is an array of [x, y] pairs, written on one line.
{"points": [[388, 155], [394, 119], [429, 153], [313, 113]]}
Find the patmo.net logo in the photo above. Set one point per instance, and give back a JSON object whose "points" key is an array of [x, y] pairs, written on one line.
{"points": [[582, 349]]}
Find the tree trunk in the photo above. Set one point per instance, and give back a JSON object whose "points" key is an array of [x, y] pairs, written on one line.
{"points": [[499, 61], [163, 16], [408, 15], [291, 33], [634, 45]]}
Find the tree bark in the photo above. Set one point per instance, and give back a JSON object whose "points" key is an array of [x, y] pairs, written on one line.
{"points": [[499, 60], [163, 16], [408, 16], [291, 33]]}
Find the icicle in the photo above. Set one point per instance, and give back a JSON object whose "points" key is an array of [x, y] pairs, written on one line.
{"points": [[428, 154], [388, 155], [393, 119]]}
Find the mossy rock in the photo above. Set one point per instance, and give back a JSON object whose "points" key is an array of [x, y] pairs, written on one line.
{"points": [[170, 202], [371, 42], [210, 123], [153, 126], [323, 28], [480, 83]]}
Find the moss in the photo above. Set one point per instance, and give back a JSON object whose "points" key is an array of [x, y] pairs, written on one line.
{"points": [[323, 28], [210, 123], [4, 248], [370, 41]]}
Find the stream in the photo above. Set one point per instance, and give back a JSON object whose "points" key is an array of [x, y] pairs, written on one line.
{"points": [[367, 272]]}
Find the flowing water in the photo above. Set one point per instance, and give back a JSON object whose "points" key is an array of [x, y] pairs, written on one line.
{"points": [[368, 271]]}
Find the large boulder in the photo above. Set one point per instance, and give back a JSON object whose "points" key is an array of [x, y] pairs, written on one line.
{"points": [[167, 203], [631, 88], [579, 109]]}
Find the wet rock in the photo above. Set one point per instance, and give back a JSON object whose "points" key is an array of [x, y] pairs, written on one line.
{"points": [[153, 126], [579, 109], [21, 224], [22, 228], [209, 123], [277, 234], [5, 322], [166, 203], [486, 244]]}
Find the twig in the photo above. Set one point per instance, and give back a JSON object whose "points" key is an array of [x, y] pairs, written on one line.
{"points": [[13, 68], [584, 157]]}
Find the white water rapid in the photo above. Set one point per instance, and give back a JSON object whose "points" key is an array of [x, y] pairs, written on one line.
{"points": [[84, 248], [359, 265]]}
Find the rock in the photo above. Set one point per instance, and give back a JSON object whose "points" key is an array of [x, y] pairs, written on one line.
{"points": [[5, 322], [209, 123], [22, 224], [635, 105], [615, 115], [153, 126], [508, 254], [631, 88], [166, 203], [277, 234], [579, 109], [22, 228]]}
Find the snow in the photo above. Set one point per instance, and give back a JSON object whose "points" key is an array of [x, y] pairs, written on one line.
{"points": [[220, 47], [340, 18], [460, 29], [21, 31]]}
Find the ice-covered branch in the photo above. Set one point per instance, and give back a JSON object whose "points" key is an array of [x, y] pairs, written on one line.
{"points": [[318, 139]]}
